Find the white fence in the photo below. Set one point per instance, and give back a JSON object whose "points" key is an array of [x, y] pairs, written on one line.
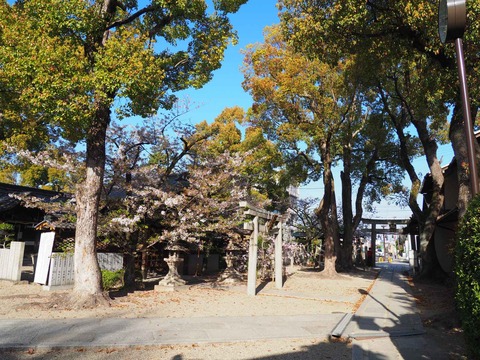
{"points": [[57, 268], [110, 261], [61, 272], [11, 261]]}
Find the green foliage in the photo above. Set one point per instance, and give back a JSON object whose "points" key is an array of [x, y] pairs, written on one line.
{"points": [[6, 227], [263, 159], [61, 61], [467, 269], [66, 246], [63, 58], [287, 89], [65, 65], [6, 233], [112, 279], [34, 176]]}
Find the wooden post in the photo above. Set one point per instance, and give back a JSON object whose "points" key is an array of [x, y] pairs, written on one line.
{"points": [[278, 258], [144, 268], [252, 260]]}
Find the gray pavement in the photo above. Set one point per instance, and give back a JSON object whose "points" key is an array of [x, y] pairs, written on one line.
{"points": [[110, 332], [386, 326]]}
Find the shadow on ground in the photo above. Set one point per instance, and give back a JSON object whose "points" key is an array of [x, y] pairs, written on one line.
{"points": [[417, 320], [265, 350]]}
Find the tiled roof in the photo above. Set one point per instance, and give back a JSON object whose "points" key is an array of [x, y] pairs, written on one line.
{"points": [[8, 202]]}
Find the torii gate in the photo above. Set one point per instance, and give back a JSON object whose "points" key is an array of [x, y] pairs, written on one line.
{"points": [[272, 221], [392, 224]]}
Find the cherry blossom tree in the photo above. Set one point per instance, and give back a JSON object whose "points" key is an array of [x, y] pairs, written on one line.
{"points": [[164, 185], [65, 66]]}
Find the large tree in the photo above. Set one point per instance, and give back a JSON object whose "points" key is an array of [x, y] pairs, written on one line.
{"points": [[416, 76], [69, 63], [316, 115], [267, 181], [194, 206]]}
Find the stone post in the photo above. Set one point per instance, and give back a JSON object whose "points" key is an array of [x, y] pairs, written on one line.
{"points": [[252, 260], [279, 258], [11, 261]]}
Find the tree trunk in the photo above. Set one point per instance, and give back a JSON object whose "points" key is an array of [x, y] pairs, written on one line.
{"points": [[362, 187], [87, 291], [431, 267], [324, 212], [129, 277], [426, 219], [335, 225], [457, 137], [346, 263], [430, 264], [144, 264], [330, 259]]}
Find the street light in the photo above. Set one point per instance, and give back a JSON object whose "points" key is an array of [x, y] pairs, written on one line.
{"points": [[452, 19]]}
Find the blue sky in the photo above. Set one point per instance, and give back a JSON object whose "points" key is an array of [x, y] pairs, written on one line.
{"points": [[225, 89]]}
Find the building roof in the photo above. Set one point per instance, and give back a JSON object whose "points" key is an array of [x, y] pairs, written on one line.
{"points": [[8, 201], [427, 182], [51, 225]]}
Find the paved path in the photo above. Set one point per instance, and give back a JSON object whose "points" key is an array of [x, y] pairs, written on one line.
{"points": [[18, 334], [387, 325]]}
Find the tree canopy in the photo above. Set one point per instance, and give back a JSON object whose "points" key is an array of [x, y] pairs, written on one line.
{"points": [[65, 65], [317, 115], [401, 59]]}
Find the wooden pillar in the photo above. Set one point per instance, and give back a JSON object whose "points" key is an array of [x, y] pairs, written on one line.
{"points": [[252, 260], [279, 258], [144, 268]]}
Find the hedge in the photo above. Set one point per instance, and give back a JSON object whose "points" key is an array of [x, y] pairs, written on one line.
{"points": [[467, 270]]}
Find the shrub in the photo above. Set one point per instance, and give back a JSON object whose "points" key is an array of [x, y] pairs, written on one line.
{"points": [[66, 246], [6, 233], [467, 270], [112, 279]]}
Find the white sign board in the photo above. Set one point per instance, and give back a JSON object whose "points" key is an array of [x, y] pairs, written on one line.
{"points": [[11, 261], [43, 259]]}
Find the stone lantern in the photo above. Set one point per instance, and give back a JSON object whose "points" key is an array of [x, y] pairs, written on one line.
{"points": [[174, 262], [231, 274]]}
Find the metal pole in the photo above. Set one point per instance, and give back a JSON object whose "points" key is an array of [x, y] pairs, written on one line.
{"points": [[467, 117]]}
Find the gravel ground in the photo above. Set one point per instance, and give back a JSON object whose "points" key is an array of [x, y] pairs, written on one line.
{"points": [[304, 292], [277, 349]]}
